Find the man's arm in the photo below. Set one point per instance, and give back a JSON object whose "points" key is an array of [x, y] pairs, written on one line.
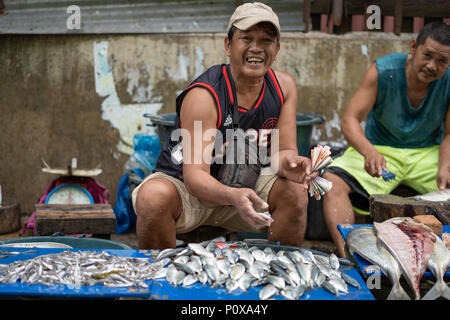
{"points": [[287, 163], [443, 176], [359, 107], [199, 108]]}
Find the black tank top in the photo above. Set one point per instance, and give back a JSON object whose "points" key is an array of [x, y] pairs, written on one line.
{"points": [[257, 122]]}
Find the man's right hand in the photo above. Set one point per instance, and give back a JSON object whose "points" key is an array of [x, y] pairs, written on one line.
{"points": [[374, 162], [245, 201], [357, 111]]}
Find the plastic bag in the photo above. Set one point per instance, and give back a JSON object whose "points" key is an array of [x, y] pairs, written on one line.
{"points": [[141, 164], [146, 149], [124, 211]]}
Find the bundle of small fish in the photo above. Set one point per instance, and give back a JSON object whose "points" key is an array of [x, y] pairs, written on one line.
{"points": [[320, 158], [402, 246], [80, 268], [237, 267]]}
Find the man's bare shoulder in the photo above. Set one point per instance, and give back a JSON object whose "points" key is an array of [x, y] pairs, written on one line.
{"points": [[284, 77], [371, 76], [286, 80], [198, 104]]}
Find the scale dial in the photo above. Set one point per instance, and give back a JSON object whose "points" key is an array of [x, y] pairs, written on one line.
{"points": [[69, 194]]}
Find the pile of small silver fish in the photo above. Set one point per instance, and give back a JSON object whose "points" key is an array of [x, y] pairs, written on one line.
{"points": [[80, 268], [289, 273]]}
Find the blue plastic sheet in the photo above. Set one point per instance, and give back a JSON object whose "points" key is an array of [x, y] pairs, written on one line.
{"points": [[158, 289], [146, 152], [146, 149], [124, 211], [162, 290]]}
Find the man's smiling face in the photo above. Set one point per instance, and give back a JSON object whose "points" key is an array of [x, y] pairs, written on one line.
{"points": [[253, 51]]}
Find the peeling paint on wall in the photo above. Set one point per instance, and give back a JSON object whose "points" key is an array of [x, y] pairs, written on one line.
{"points": [[182, 70], [199, 57], [138, 92], [330, 126], [341, 78], [315, 134], [333, 124], [127, 119], [364, 50]]}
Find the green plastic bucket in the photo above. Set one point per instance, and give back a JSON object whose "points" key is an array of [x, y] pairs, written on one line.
{"points": [[305, 122], [74, 242]]}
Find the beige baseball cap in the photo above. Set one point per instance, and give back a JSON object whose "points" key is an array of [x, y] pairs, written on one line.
{"points": [[249, 14]]}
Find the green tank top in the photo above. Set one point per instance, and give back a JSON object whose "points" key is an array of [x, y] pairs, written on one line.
{"points": [[393, 121]]}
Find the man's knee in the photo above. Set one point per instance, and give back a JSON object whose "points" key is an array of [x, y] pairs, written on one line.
{"points": [[339, 185], [158, 198]]}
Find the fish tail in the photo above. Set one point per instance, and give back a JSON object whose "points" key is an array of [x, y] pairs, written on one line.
{"points": [[446, 293], [398, 293], [439, 289]]}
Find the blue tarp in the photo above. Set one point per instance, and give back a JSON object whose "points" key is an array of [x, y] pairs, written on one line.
{"points": [[146, 152], [125, 215], [158, 289]]}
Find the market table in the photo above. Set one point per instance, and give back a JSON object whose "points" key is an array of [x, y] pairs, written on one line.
{"points": [[157, 289]]}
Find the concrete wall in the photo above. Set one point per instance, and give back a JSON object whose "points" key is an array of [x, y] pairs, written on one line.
{"points": [[84, 96]]}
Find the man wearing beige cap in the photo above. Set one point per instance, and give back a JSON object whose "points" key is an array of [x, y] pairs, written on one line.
{"points": [[193, 185]]}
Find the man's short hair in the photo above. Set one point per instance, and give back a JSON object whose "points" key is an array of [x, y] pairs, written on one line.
{"points": [[438, 31], [231, 33]]}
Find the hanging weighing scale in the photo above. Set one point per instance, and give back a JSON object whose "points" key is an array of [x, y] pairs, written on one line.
{"points": [[72, 187]]}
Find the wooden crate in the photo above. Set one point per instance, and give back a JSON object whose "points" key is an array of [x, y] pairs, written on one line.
{"points": [[9, 216], [98, 219], [386, 206]]}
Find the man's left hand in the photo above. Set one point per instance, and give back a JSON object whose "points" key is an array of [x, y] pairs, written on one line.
{"points": [[298, 169]]}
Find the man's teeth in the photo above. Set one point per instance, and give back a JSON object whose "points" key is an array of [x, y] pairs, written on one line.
{"points": [[254, 60]]}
